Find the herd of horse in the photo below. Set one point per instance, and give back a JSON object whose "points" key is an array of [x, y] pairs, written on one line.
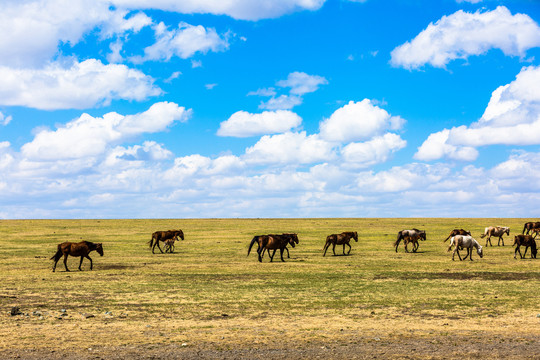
{"points": [[459, 239]]}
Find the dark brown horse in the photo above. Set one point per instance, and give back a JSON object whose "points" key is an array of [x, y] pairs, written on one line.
{"points": [[410, 236], [530, 226], [273, 242], [457, 232], [81, 249], [255, 239], [340, 239], [164, 236], [527, 241]]}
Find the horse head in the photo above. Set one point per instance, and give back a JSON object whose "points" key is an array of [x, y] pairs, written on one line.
{"points": [[355, 236], [422, 235], [507, 231], [480, 251], [180, 233], [99, 248]]}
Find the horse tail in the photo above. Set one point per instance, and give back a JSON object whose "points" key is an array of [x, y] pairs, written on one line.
{"points": [[253, 241], [58, 254], [484, 234], [451, 243], [328, 239], [449, 236], [398, 240]]}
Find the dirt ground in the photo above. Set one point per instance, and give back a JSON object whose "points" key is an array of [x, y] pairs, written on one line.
{"points": [[429, 348]]}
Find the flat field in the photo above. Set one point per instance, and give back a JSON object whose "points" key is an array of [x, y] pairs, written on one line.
{"points": [[210, 300]]}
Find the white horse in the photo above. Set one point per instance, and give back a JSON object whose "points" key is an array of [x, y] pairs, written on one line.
{"points": [[495, 231], [465, 241]]}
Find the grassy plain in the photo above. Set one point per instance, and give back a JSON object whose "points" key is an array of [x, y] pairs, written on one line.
{"points": [[209, 295]]}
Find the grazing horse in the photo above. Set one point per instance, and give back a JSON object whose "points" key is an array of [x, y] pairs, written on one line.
{"points": [[81, 249], [273, 242], [164, 236], [457, 232], [340, 239], [465, 241], [495, 231], [527, 241], [531, 226], [410, 236]]}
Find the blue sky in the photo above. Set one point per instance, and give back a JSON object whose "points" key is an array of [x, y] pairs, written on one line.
{"points": [[289, 108]]}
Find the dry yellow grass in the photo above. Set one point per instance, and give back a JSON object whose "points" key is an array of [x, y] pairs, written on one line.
{"points": [[209, 294]]}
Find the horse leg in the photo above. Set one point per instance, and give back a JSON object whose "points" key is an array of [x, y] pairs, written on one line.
{"points": [[469, 250], [350, 248], [88, 257], [259, 251], [525, 253], [281, 253], [159, 247], [326, 246], [406, 242], [272, 257], [468, 253], [415, 246], [65, 261], [288, 256], [516, 251], [80, 263], [334, 249]]}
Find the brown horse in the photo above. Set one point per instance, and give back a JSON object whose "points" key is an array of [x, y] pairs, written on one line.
{"points": [[410, 236], [527, 241], [81, 249], [273, 242], [164, 236], [457, 232], [498, 231], [530, 226], [255, 239], [340, 239]]}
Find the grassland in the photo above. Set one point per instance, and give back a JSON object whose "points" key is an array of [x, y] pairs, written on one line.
{"points": [[209, 299]]}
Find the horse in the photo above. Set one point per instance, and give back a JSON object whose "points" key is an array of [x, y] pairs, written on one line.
{"points": [[495, 231], [163, 236], [169, 245], [465, 241], [256, 240], [81, 249], [457, 232], [273, 242], [340, 239], [530, 226], [527, 241], [410, 236]]}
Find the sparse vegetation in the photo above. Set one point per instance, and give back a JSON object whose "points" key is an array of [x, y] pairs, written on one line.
{"points": [[210, 295]]}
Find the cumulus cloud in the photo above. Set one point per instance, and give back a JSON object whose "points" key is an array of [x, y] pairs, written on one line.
{"points": [[82, 85], [184, 42], [301, 83], [298, 83], [244, 124], [358, 121], [238, 9], [463, 34], [512, 117], [89, 136], [290, 147], [374, 151]]}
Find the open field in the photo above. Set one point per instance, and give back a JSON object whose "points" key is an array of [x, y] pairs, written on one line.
{"points": [[209, 300]]}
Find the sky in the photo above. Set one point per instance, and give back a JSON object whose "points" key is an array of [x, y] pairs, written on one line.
{"points": [[284, 108]]}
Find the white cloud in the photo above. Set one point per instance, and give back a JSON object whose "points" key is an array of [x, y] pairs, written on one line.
{"points": [[374, 151], [512, 117], [463, 34], [282, 102], [4, 120], [302, 83], [297, 148], [358, 121], [183, 42], [238, 9], [436, 146], [83, 85], [88, 136], [244, 124]]}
